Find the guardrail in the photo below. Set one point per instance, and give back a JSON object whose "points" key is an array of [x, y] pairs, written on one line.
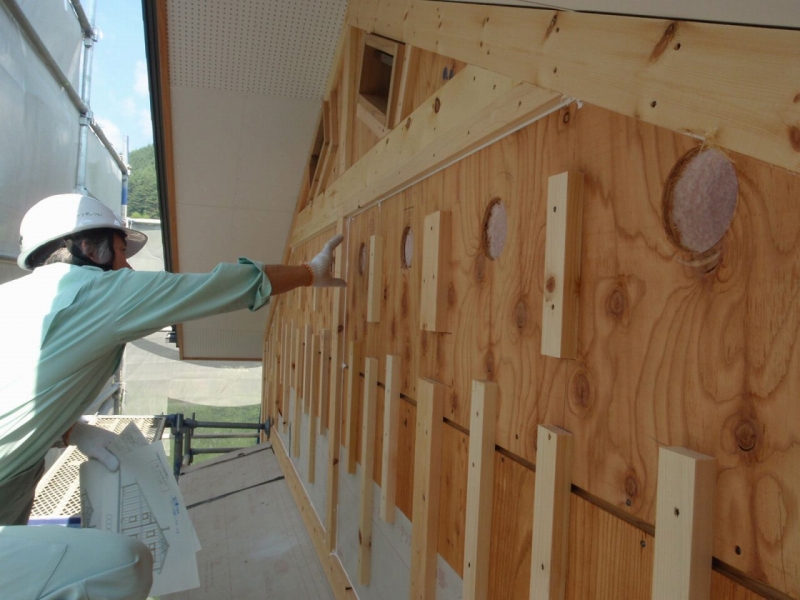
{"points": [[182, 430]]}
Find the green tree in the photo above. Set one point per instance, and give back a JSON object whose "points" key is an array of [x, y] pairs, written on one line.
{"points": [[142, 185]]}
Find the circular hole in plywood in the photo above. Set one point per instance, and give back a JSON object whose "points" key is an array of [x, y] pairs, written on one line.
{"points": [[495, 228], [407, 247], [700, 199], [362, 258]]}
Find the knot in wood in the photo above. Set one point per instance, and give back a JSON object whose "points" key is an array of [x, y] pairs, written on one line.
{"points": [[521, 314], [550, 284], [454, 403], [451, 295], [616, 303], [580, 390], [552, 26], [631, 486], [664, 42], [746, 435], [489, 362], [794, 137], [437, 104]]}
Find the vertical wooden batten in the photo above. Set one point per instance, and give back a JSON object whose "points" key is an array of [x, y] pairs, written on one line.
{"points": [[391, 424], [684, 524], [353, 379], [435, 264], [297, 416], [427, 476], [562, 265], [480, 487], [287, 373], [335, 402], [312, 365], [551, 513], [324, 380], [368, 427], [307, 368], [375, 290]]}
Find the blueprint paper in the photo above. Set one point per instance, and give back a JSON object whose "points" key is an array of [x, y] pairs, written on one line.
{"points": [[142, 500]]}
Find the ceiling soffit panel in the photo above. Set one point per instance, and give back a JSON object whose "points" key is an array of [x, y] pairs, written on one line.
{"points": [[274, 47]]}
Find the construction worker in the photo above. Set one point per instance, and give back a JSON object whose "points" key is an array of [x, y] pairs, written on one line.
{"points": [[64, 329]]}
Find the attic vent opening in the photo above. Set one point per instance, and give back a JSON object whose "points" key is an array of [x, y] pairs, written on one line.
{"points": [[700, 199], [407, 248], [495, 229], [376, 77], [377, 85]]}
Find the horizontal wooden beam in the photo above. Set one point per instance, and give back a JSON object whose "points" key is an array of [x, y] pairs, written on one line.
{"points": [[471, 110], [733, 85]]}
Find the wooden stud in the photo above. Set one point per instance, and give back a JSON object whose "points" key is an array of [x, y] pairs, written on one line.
{"points": [[315, 299], [313, 394], [427, 476], [297, 416], [348, 95], [353, 379], [276, 369], [368, 427], [435, 266], [551, 513], [391, 426], [403, 100], [480, 487], [308, 366], [375, 289], [324, 379], [371, 117], [562, 265], [287, 373], [684, 524], [335, 401]]}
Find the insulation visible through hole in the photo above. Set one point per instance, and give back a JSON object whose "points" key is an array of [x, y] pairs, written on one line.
{"points": [[408, 247], [700, 199], [495, 229], [362, 259]]}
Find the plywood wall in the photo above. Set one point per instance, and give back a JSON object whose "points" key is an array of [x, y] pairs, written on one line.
{"points": [[672, 351]]}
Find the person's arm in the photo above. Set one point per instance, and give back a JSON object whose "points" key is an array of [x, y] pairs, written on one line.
{"points": [[285, 278]]}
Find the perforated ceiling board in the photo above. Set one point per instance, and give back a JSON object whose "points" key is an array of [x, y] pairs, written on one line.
{"points": [[273, 47]]}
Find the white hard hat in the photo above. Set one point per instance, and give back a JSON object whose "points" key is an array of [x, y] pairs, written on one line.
{"points": [[59, 216]]}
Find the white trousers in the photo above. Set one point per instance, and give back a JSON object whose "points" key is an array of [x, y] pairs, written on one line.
{"points": [[64, 563]]}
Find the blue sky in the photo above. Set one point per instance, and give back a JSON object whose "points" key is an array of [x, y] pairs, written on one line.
{"points": [[120, 98]]}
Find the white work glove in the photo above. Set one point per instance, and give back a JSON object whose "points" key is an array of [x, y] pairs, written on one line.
{"points": [[93, 442], [320, 265]]}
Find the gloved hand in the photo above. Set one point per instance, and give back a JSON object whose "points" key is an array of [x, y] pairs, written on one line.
{"points": [[320, 265], [93, 442]]}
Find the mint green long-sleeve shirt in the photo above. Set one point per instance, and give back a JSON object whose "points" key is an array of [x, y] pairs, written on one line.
{"points": [[63, 330]]}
